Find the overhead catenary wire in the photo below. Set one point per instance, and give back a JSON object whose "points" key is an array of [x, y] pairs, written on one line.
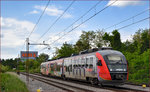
{"points": [[81, 23], [122, 27], [57, 20], [78, 19], [39, 18], [133, 23], [127, 19]]}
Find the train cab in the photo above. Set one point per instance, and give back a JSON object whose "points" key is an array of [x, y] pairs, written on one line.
{"points": [[111, 67]]}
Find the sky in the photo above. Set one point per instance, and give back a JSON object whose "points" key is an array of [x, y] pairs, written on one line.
{"points": [[18, 18]]}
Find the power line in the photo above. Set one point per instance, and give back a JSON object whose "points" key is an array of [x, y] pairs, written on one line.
{"points": [[133, 23], [78, 18], [118, 28], [57, 20], [39, 18], [82, 23], [127, 19]]}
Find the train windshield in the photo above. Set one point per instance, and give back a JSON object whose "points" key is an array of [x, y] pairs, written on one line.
{"points": [[113, 59]]}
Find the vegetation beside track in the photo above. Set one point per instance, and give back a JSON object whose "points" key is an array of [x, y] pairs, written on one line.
{"points": [[10, 83], [136, 51]]}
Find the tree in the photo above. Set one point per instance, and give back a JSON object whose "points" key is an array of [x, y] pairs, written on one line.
{"points": [[79, 46], [128, 46], [114, 39], [98, 41], [12, 63], [145, 36], [86, 40], [65, 50], [141, 40], [42, 58]]}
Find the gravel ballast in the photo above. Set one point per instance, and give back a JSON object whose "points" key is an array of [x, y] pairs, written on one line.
{"points": [[35, 84]]}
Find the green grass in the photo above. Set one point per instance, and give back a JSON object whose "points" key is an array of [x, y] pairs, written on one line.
{"points": [[10, 83]]}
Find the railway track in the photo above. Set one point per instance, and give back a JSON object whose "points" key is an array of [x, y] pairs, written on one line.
{"points": [[63, 86], [73, 86]]}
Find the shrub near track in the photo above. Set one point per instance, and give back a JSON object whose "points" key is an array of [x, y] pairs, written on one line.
{"points": [[10, 83]]}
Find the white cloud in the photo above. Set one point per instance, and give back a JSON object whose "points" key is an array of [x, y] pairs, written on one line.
{"points": [[34, 12], [123, 3], [53, 11], [13, 36]]}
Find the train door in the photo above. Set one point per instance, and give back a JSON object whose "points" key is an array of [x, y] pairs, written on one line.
{"points": [[47, 69], [73, 67], [76, 68], [62, 68], [84, 62], [82, 68], [95, 65], [79, 67], [87, 66], [90, 66], [70, 66]]}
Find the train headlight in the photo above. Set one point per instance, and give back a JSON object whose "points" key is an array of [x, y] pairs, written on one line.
{"points": [[124, 69], [110, 69]]}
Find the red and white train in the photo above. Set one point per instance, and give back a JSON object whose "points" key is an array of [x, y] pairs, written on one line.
{"points": [[104, 66]]}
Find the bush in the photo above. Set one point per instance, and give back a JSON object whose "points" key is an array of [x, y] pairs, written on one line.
{"points": [[138, 66], [4, 68], [10, 83]]}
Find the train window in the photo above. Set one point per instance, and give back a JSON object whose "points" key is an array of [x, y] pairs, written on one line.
{"points": [[91, 66], [82, 66], [88, 61], [91, 60], [77, 61], [70, 61], [80, 61], [79, 65], [67, 69], [58, 67], [86, 65], [70, 68], [115, 59], [74, 61], [48, 65], [74, 66], [52, 65], [84, 61]]}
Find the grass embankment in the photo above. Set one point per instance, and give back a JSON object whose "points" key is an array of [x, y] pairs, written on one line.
{"points": [[10, 83]]}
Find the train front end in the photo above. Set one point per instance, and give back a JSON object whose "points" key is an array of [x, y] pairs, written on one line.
{"points": [[111, 67]]}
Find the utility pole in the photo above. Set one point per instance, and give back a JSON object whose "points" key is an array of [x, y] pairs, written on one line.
{"points": [[17, 68], [27, 61]]}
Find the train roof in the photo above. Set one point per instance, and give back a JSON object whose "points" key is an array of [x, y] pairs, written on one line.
{"points": [[103, 51], [107, 52]]}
